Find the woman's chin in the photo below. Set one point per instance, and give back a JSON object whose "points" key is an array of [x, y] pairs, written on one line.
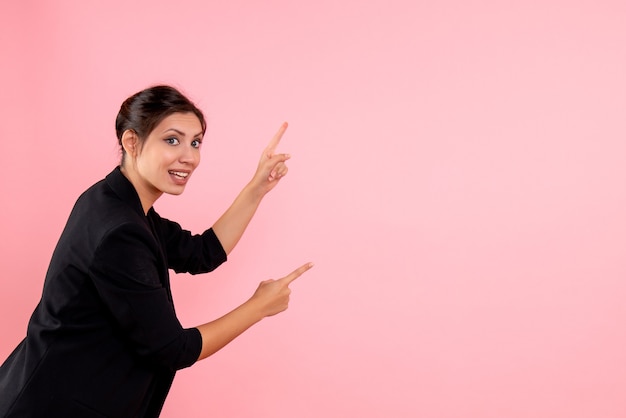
{"points": [[175, 191]]}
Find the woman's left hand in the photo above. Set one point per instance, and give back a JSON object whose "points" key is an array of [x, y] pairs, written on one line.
{"points": [[272, 166]]}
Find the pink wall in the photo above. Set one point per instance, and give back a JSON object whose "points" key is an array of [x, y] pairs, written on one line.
{"points": [[458, 178]]}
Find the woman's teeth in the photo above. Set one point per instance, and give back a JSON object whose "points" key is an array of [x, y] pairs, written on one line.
{"points": [[179, 174]]}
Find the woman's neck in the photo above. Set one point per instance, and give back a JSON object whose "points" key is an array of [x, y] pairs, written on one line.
{"points": [[147, 194]]}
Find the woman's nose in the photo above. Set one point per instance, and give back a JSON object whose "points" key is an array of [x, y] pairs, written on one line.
{"points": [[189, 155]]}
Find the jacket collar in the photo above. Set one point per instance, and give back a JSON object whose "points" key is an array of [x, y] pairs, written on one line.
{"points": [[118, 182]]}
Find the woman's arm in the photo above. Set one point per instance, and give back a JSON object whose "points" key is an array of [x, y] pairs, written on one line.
{"points": [[270, 298], [230, 226]]}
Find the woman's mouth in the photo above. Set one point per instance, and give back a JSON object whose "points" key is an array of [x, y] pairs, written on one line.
{"points": [[179, 174], [179, 177]]}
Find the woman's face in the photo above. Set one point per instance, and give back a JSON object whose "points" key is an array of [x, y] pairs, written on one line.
{"points": [[168, 156]]}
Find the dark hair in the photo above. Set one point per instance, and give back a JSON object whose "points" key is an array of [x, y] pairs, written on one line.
{"points": [[143, 111]]}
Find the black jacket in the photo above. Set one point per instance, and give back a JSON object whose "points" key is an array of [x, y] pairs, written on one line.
{"points": [[104, 340]]}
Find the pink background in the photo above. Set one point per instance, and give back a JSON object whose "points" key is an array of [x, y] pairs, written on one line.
{"points": [[458, 178]]}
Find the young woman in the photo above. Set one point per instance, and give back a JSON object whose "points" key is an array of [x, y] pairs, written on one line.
{"points": [[104, 340]]}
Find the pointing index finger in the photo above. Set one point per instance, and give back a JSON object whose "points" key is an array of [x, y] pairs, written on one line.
{"points": [[297, 273], [271, 147]]}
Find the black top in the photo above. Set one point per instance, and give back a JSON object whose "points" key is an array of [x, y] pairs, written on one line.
{"points": [[104, 340]]}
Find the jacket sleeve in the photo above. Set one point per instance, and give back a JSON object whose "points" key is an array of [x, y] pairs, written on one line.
{"points": [[187, 253], [128, 274]]}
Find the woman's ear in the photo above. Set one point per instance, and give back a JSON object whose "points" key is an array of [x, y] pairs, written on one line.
{"points": [[130, 142]]}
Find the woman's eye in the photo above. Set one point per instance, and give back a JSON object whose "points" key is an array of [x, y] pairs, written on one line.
{"points": [[172, 141], [196, 143]]}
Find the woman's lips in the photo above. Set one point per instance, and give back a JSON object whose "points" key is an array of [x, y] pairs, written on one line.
{"points": [[179, 177]]}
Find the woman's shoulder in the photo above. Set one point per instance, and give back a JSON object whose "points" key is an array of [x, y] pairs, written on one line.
{"points": [[105, 206]]}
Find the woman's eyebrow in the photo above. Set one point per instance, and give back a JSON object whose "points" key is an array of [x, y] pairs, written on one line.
{"points": [[181, 133], [175, 130]]}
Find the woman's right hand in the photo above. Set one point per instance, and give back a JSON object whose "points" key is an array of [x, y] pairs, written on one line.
{"points": [[272, 296]]}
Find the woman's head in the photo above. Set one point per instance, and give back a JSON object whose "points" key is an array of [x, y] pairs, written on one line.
{"points": [[143, 111]]}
